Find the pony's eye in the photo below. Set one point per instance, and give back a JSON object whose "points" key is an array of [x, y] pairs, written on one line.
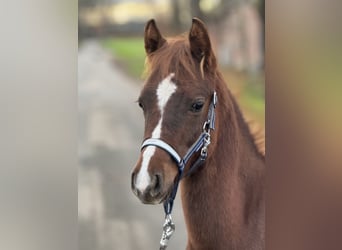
{"points": [[197, 106], [141, 105]]}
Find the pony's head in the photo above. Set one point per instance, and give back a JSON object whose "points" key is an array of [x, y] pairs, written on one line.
{"points": [[175, 101]]}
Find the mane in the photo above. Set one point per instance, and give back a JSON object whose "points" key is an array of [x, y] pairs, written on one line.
{"points": [[258, 135], [175, 56]]}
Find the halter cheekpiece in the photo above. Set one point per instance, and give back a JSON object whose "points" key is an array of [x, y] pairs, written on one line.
{"points": [[202, 144]]}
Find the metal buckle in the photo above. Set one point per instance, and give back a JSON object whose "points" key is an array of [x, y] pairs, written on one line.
{"points": [[206, 126]]}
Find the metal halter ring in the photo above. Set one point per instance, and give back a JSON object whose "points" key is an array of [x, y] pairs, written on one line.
{"points": [[206, 126]]}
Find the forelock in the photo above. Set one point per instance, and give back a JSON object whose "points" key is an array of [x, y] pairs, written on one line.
{"points": [[174, 56]]}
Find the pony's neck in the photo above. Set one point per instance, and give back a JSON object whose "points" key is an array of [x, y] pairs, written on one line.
{"points": [[219, 200]]}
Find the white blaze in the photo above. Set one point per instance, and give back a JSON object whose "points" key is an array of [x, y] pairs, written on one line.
{"points": [[164, 91]]}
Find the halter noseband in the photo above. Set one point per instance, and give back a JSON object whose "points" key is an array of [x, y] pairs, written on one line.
{"points": [[202, 144]]}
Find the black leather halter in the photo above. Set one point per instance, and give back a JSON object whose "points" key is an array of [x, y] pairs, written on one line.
{"points": [[202, 144]]}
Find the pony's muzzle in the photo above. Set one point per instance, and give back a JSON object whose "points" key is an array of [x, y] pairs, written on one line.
{"points": [[151, 194]]}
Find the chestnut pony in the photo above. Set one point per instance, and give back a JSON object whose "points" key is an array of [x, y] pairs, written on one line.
{"points": [[223, 199]]}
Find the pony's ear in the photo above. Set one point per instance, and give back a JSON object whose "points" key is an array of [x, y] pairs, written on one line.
{"points": [[200, 44], [153, 38]]}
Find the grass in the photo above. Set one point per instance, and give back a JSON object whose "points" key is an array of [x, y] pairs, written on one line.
{"points": [[248, 89], [130, 53]]}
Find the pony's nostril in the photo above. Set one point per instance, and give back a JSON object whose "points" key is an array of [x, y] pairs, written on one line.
{"points": [[157, 185], [132, 180], [134, 189]]}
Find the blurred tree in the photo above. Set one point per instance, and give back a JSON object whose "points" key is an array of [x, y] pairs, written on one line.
{"points": [[87, 3], [93, 3], [196, 9], [221, 9], [261, 10], [177, 24], [218, 10]]}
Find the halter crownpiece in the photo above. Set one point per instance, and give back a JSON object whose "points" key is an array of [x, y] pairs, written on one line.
{"points": [[202, 144]]}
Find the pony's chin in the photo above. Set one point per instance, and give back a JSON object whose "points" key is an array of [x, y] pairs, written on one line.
{"points": [[151, 202], [158, 200]]}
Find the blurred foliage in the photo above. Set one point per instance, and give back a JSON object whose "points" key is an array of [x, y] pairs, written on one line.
{"points": [[249, 89], [178, 14], [129, 52], [210, 11]]}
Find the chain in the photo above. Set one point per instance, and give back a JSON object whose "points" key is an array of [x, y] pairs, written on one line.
{"points": [[168, 229]]}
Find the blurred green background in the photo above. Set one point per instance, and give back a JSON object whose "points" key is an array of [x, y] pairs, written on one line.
{"points": [[236, 27]]}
